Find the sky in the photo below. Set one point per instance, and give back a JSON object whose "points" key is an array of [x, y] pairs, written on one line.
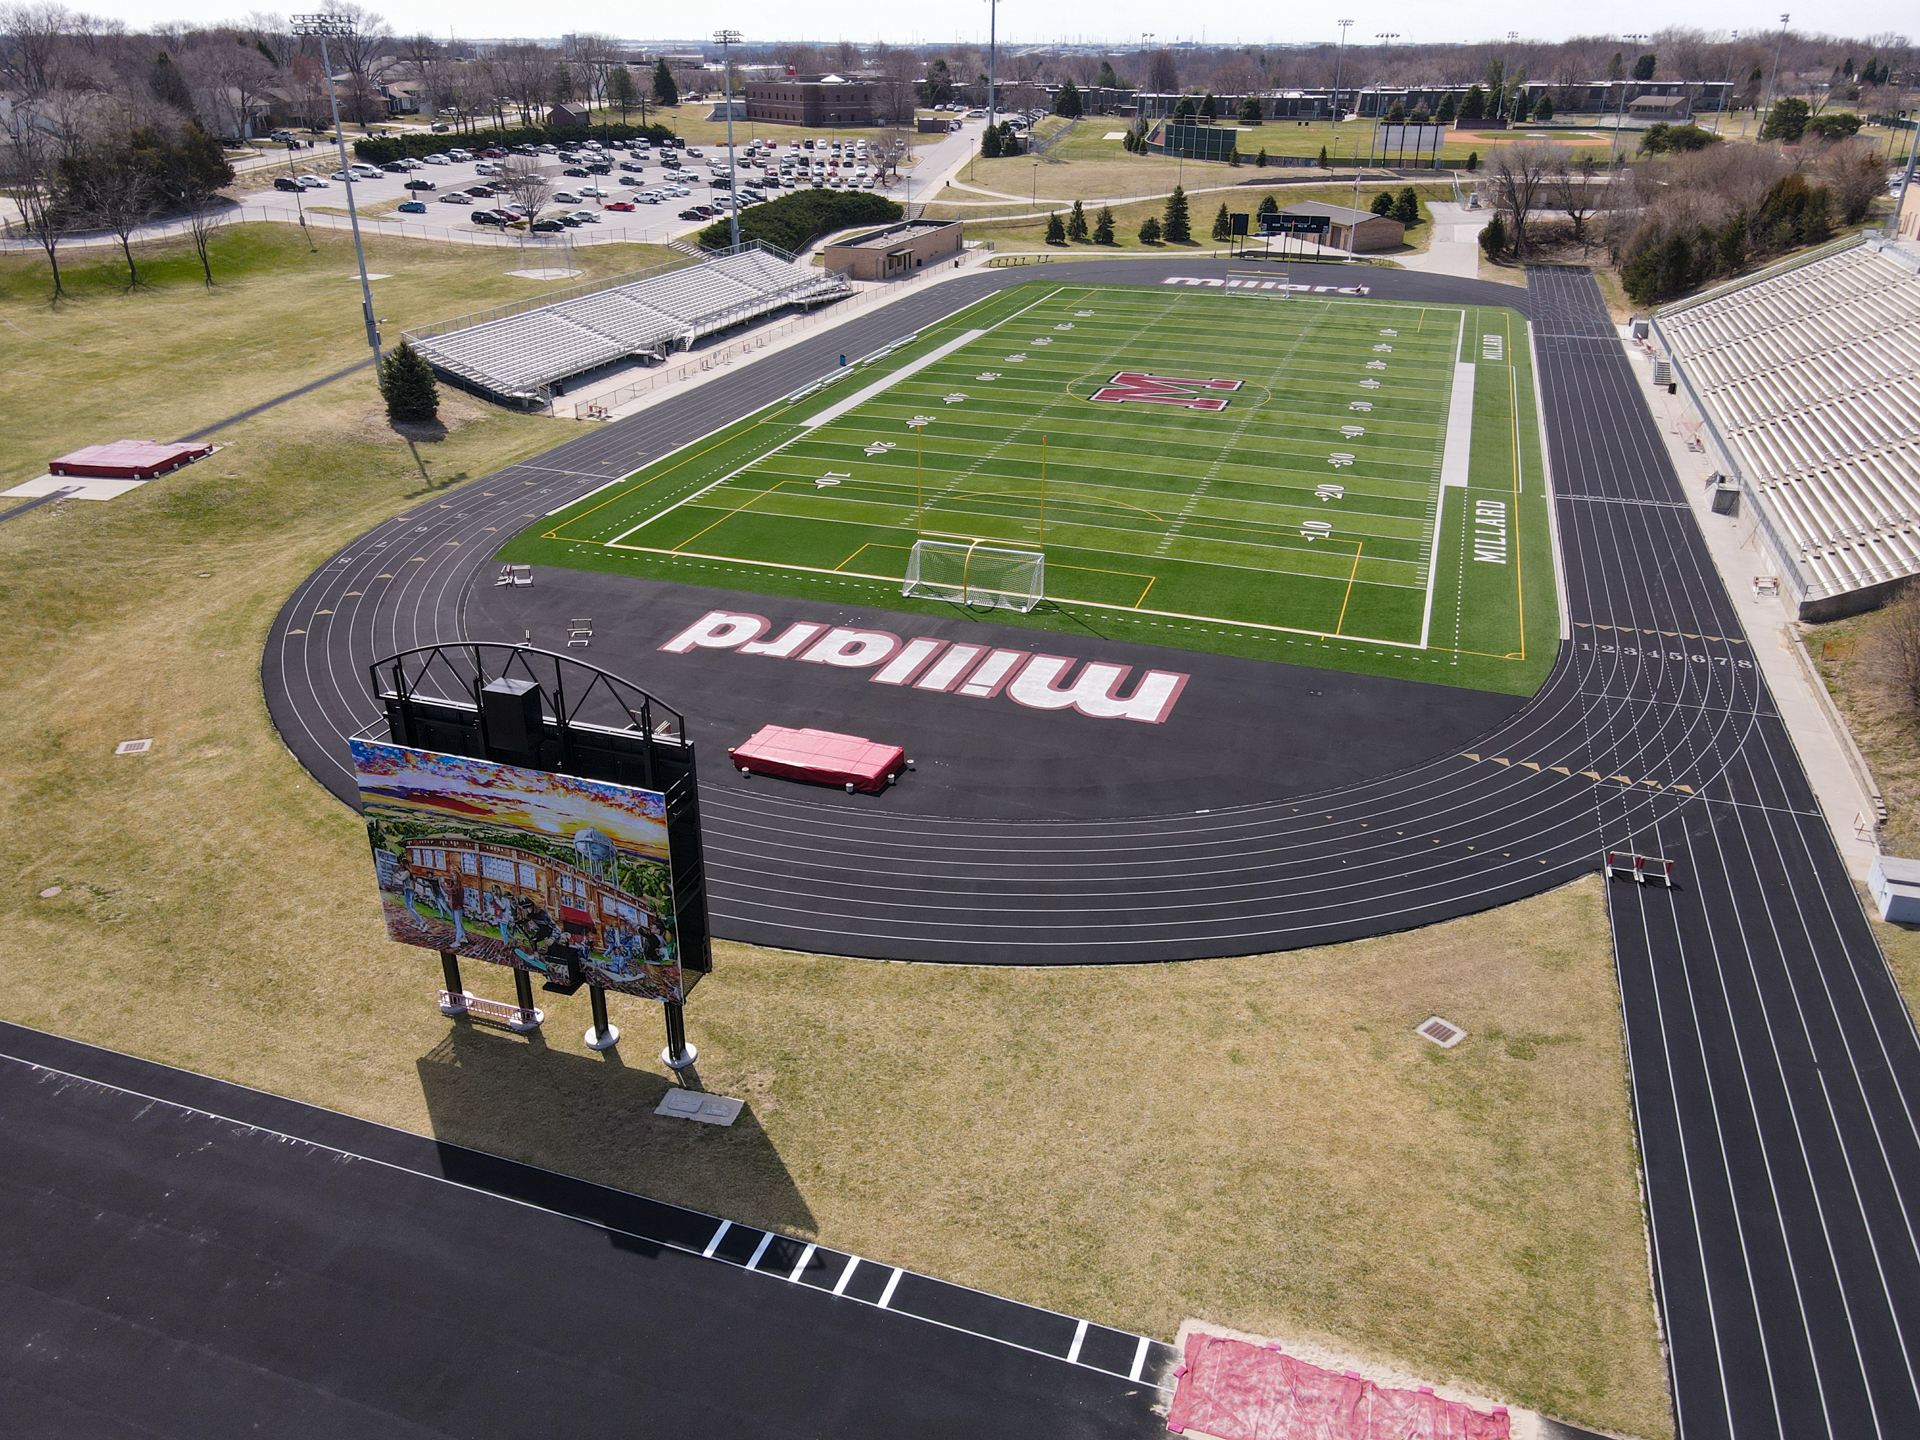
{"points": [[1121, 22]]}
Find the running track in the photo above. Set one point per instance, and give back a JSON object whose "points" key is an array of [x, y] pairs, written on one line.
{"points": [[1776, 1075]]}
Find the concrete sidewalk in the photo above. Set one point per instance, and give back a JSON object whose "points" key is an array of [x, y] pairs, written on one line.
{"points": [[1848, 795]]}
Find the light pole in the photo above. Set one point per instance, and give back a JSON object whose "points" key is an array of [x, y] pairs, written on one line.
{"points": [[1620, 114], [1033, 202], [323, 26], [1506, 75], [1775, 75], [993, 55], [724, 39], [1733, 53], [1339, 56], [1386, 37]]}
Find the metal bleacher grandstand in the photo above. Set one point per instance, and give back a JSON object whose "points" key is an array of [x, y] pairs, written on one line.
{"points": [[524, 353], [1808, 375]]}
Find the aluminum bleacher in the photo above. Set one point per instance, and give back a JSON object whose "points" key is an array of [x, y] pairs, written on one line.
{"points": [[524, 355], [1809, 377]]}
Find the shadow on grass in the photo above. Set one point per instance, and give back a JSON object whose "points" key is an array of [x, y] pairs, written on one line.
{"points": [[592, 1117]]}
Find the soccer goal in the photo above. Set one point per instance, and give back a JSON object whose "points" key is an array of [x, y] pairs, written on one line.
{"points": [[970, 573]]}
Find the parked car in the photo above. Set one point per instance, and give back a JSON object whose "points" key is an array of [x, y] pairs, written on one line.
{"points": [[436, 160], [486, 167], [631, 167], [421, 185], [461, 155], [482, 192], [618, 205], [574, 172], [489, 217], [340, 175], [571, 220], [454, 197], [311, 181], [565, 197], [287, 182], [493, 152], [632, 180], [407, 162], [547, 227], [413, 207], [394, 167], [693, 214], [599, 167], [583, 217], [595, 191]]}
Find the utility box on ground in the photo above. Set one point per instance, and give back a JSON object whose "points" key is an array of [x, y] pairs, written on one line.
{"points": [[1895, 886]]}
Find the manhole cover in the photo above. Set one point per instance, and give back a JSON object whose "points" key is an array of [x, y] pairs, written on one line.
{"points": [[1443, 1033]]}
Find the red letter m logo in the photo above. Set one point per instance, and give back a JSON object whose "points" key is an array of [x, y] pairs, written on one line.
{"points": [[1164, 390]]}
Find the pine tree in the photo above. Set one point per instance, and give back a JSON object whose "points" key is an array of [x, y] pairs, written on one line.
{"points": [[1323, 158], [1222, 226], [1210, 107], [1056, 232], [1473, 161], [1176, 226], [1474, 107], [1449, 109], [1150, 231], [990, 143], [1406, 209], [1260, 160], [1544, 110], [1493, 239], [406, 380], [1382, 203], [620, 91], [1067, 102], [1103, 227], [1250, 110], [1077, 224], [1233, 159], [665, 92], [1269, 205]]}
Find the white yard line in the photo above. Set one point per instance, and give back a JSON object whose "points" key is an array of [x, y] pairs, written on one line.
{"points": [[886, 382], [1451, 455]]}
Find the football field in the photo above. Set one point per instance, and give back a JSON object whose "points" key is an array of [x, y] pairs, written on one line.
{"points": [[1323, 479]]}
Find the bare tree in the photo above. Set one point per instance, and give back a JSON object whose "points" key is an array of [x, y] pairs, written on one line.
{"points": [[1897, 649], [1163, 75], [201, 205], [112, 190], [1517, 175], [899, 74], [32, 37], [525, 72], [521, 178], [1573, 191], [366, 54], [28, 180]]}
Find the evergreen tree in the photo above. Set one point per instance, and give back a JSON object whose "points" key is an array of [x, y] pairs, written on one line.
{"points": [[1250, 110], [1396, 114], [1323, 158], [406, 380], [1493, 239], [168, 84], [990, 143], [1210, 107], [1473, 161], [1077, 224], [1406, 208], [1010, 143], [1382, 203], [1643, 68], [665, 92], [1184, 109], [1269, 205], [1449, 109], [1056, 231], [1106, 79], [1474, 107], [1544, 110], [1233, 158], [1260, 160], [621, 93], [1617, 67], [1176, 226], [1150, 231], [1067, 102], [1222, 226], [1103, 227]]}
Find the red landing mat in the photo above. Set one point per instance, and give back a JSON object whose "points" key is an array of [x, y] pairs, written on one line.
{"points": [[820, 756], [1237, 1391], [128, 459]]}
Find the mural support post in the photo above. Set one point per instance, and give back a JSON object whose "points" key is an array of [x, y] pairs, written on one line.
{"points": [[530, 1017], [678, 1055], [456, 1001], [601, 1035]]}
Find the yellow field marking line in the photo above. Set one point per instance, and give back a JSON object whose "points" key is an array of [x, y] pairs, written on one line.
{"points": [[757, 495], [1143, 594], [1345, 599], [870, 545], [1513, 407]]}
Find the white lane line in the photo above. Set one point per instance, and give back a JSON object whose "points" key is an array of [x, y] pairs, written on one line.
{"points": [[1457, 455], [1139, 1359], [840, 1285], [800, 1265], [893, 1281], [766, 1239], [860, 397], [1079, 1339], [718, 1236]]}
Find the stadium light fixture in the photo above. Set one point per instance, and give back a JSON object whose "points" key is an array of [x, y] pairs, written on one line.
{"points": [[1620, 114], [1777, 49], [1733, 51], [725, 39], [1339, 56], [338, 26]]}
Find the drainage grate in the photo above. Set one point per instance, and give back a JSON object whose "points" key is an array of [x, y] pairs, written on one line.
{"points": [[1443, 1033], [133, 747]]}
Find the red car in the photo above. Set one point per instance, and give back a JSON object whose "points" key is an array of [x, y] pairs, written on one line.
{"points": [[482, 192], [618, 205], [493, 154]]}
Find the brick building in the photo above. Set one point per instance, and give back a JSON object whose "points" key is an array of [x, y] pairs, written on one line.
{"points": [[815, 101]]}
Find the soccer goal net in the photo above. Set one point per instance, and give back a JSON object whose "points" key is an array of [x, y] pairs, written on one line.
{"points": [[970, 573]]}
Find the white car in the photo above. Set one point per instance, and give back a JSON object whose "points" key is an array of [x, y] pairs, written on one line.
{"points": [[461, 155], [680, 191], [409, 163], [312, 182], [594, 191], [437, 160], [585, 217], [565, 197], [486, 167], [454, 197], [365, 172]]}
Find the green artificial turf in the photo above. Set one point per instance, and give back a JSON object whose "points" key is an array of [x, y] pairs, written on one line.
{"points": [[1296, 522]]}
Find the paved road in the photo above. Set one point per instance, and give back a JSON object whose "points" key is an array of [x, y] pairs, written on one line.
{"points": [[189, 1258], [1776, 1076]]}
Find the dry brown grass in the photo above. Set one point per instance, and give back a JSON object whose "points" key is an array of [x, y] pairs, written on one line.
{"points": [[1260, 1141]]}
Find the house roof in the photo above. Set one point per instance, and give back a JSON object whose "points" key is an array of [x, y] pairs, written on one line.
{"points": [[1339, 214]]}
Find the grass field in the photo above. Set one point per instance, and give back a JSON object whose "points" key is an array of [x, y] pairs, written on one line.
{"points": [[1303, 519]]}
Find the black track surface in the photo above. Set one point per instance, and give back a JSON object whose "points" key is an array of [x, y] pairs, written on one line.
{"points": [[188, 1258], [1775, 1072]]}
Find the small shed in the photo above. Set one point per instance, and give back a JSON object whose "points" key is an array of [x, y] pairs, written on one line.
{"points": [[1894, 884], [1350, 229], [897, 250]]}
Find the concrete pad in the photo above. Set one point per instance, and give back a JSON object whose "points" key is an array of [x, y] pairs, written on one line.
{"points": [[679, 1104], [74, 487], [543, 274]]}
